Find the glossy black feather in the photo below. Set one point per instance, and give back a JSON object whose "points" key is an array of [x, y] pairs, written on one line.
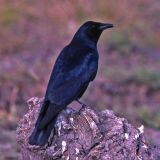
{"points": [[75, 67]]}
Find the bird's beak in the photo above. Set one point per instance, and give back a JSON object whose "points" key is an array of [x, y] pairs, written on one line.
{"points": [[104, 26]]}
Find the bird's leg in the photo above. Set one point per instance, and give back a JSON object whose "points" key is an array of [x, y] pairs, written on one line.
{"points": [[81, 103]]}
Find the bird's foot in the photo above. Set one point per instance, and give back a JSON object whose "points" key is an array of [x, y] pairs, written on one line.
{"points": [[48, 144], [81, 103], [50, 140]]}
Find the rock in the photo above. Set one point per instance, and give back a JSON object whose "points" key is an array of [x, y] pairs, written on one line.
{"points": [[85, 135]]}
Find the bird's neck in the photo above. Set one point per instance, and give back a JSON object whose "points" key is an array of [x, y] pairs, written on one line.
{"points": [[84, 42]]}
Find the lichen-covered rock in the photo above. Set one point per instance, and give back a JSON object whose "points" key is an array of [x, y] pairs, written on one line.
{"points": [[85, 135]]}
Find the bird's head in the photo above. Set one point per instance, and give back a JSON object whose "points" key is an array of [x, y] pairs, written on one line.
{"points": [[91, 31]]}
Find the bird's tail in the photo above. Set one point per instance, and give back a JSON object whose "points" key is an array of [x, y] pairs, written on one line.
{"points": [[40, 136], [45, 124]]}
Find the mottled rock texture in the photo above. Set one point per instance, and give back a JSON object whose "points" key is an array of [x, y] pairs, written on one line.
{"points": [[85, 135]]}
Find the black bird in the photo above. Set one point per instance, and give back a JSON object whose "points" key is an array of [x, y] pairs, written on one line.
{"points": [[75, 67]]}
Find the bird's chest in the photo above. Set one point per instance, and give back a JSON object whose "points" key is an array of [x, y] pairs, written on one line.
{"points": [[82, 65], [73, 61]]}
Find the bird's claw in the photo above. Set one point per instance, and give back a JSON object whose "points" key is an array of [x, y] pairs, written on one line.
{"points": [[81, 103]]}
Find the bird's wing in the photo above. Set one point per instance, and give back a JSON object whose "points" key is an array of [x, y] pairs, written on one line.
{"points": [[67, 83]]}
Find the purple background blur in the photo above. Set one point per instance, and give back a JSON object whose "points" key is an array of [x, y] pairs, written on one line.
{"points": [[32, 33]]}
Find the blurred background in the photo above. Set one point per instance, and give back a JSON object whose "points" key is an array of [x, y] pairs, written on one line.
{"points": [[32, 33]]}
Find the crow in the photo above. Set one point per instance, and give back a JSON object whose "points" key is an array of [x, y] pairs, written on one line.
{"points": [[75, 67]]}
